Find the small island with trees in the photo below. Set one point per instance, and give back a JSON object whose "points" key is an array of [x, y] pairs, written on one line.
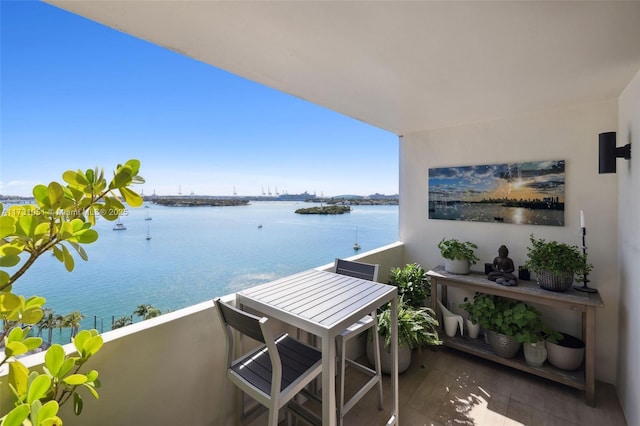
{"points": [[325, 210]]}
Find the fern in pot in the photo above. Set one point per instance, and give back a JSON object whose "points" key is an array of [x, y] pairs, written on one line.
{"points": [[554, 263], [417, 328], [458, 256]]}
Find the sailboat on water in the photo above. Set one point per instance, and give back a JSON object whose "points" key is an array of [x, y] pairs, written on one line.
{"points": [[119, 226], [356, 246], [148, 233]]}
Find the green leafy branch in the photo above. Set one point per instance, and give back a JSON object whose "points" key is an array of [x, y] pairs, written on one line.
{"points": [[63, 214], [61, 218]]}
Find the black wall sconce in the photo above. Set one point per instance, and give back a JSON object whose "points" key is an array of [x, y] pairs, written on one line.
{"points": [[608, 152]]}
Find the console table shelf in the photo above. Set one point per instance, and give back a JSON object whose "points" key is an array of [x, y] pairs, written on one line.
{"points": [[527, 291]]}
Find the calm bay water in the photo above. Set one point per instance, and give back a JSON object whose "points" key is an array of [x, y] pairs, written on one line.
{"points": [[198, 253]]}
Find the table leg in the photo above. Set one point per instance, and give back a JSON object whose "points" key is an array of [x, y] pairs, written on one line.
{"points": [[395, 413], [328, 380], [589, 330]]}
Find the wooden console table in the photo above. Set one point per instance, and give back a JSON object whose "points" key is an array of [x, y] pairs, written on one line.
{"points": [[527, 291]]}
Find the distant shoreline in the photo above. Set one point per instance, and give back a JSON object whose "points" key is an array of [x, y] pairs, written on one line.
{"points": [[222, 200]]}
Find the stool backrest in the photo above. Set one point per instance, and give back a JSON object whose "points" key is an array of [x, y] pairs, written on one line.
{"points": [[366, 271]]}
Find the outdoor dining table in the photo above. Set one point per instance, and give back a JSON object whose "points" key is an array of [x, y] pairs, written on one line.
{"points": [[323, 304]]}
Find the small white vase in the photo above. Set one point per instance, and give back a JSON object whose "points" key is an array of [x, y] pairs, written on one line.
{"points": [[535, 354], [472, 329], [457, 266]]}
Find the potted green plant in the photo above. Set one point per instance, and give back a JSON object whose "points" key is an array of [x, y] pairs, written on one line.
{"points": [[533, 337], [413, 283], [554, 263], [458, 256], [417, 328], [507, 322], [473, 316]]}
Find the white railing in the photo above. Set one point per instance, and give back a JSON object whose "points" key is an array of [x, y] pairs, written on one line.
{"points": [[169, 369]]}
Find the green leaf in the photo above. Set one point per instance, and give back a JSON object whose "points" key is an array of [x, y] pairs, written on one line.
{"points": [[18, 377], [56, 195], [85, 236], [35, 302], [77, 404], [9, 302], [93, 345], [26, 226], [4, 278], [57, 252], [90, 175], [40, 194], [15, 349], [75, 179], [68, 259], [92, 376], [7, 226], [75, 379], [32, 315], [92, 390], [52, 421], [67, 366], [15, 247], [16, 335], [54, 359], [49, 411], [132, 198], [80, 250], [9, 261], [38, 388], [66, 230], [81, 339], [17, 415], [32, 342]]}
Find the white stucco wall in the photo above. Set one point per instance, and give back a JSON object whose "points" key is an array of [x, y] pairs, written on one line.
{"points": [[569, 134], [628, 174]]}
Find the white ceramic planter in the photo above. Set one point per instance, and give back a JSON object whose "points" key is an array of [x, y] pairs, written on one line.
{"points": [[404, 357], [457, 266], [566, 357], [535, 354], [473, 330]]}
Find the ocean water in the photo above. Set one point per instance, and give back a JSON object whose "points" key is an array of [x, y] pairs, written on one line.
{"points": [[198, 253]]}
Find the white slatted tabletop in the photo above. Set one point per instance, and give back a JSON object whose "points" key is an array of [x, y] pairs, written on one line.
{"points": [[324, 303]]}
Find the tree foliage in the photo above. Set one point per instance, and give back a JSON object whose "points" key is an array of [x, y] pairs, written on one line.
{"points": [[60, 221]]}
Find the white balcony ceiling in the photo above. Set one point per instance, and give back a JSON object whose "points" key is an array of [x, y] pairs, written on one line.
{"points": [[402, 66]]}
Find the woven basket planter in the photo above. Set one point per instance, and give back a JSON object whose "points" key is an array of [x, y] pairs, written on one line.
{"points": [[555, 281], [503, 345]]}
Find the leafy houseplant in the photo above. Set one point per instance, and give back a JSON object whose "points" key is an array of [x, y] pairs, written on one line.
{"points": [[60, 219], [554, 263], [506, 317], [473, 310], [458, 255], [413, 284], [417, 328]]}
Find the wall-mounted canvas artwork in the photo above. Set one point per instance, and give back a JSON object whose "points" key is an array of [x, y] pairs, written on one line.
{"points": [[522, 193]]}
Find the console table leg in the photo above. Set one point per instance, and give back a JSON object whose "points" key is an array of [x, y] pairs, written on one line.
{"points": [[589, 329]]}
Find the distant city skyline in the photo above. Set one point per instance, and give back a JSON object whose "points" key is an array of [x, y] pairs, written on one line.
{"points": [[76, 95]]}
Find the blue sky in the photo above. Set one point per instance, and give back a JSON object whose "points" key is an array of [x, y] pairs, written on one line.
{"points": [[76, 95]]}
